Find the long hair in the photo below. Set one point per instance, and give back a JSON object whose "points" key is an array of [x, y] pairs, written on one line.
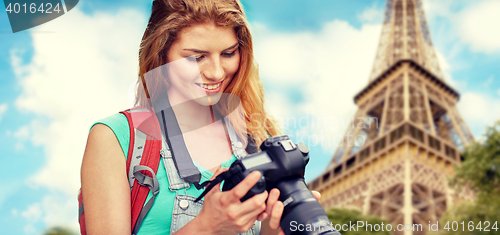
{"points": [[168, 18]]}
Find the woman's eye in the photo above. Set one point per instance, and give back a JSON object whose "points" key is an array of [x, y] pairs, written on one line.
{"points": [[195, 58], [229, 54]]}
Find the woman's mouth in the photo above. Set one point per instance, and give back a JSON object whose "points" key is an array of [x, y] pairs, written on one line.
{"points": [[210, 87]]}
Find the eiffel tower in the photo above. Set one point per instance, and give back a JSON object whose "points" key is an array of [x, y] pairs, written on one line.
{"points": [[407, 134]]}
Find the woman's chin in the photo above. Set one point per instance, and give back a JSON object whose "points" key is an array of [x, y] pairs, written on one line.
{"points": [[208, 99]]}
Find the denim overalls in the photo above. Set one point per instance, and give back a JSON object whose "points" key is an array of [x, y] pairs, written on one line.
{"points": [[185, 209]]}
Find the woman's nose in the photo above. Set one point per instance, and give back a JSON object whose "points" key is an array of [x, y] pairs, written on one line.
{"points": [[214, 71]]}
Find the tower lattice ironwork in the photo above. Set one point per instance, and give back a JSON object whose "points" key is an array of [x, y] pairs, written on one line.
{"points": [[407, 134]]}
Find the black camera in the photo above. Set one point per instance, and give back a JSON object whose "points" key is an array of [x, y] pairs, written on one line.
{"points": [[282, 164]]}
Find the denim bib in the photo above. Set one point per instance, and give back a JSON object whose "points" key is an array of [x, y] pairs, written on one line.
{"points": [[185, 209]]}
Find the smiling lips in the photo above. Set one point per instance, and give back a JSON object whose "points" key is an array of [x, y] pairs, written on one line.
{"points": [[210, 87]]}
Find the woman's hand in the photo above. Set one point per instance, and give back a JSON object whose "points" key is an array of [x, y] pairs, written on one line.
{"points": [[274, 211], [224, 213]]}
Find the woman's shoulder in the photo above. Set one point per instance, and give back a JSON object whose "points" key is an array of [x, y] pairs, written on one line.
{"points": [[117, 120], [118, 124]]}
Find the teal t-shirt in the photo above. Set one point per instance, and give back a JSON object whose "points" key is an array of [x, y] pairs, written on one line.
{"points": [[159, 218]]}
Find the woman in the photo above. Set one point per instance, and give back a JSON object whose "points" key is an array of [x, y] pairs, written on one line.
{"points": [[213, 36]]}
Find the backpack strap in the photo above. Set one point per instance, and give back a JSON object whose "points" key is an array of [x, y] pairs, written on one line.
{"points": [[143, 156], [81, 214], [153, 186]]}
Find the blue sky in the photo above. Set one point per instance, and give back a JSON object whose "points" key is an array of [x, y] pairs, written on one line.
{"points": [[314, 56]]}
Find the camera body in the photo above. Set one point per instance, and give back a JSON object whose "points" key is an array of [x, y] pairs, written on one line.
{"points": [[280, 159], [282, 164]]}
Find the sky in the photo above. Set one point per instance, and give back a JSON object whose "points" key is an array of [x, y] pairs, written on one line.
{"points": [[60, 77]]}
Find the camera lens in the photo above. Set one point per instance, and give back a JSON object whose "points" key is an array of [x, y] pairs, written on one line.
{"points": [[302, 213]]}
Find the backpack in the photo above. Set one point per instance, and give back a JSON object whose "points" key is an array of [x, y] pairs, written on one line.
{"points": [[142, 164]]}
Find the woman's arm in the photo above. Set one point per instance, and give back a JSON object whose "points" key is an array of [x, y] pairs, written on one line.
{"points": [[105, 188]]}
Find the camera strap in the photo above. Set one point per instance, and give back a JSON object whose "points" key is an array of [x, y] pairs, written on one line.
{"points": [[180, 154], [211, 183], [173, 135]]}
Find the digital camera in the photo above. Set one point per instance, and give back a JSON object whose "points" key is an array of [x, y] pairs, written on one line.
{"points": [[282, 164]]}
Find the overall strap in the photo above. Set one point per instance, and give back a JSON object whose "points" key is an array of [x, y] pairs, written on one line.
{"points": [[236, 144], [174, 179]]}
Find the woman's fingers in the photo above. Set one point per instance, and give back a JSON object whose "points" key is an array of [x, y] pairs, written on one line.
{"points": [[240, 190], [239, 216], [262, 216], [276, 212], [254, 205], [271, 199], [316, 194]]}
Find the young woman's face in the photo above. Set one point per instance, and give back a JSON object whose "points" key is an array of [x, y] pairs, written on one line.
{"points": [[202, 62]]}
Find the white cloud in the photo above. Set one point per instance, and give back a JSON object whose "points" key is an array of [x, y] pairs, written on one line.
{"points": [[479, 110], [77, 75], [471, 21], [19, 147], [7, 189], [326, 68], [59, 211], [33, 213], [22, 133], [53, 210], [477, 26], [29, 229], [279, 106], [446, 71], [372, 14], [488, 82], [3, 109], [435, 9]]}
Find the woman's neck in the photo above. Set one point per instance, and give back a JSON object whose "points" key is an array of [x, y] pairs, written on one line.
{"points": [[190, 114]]}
